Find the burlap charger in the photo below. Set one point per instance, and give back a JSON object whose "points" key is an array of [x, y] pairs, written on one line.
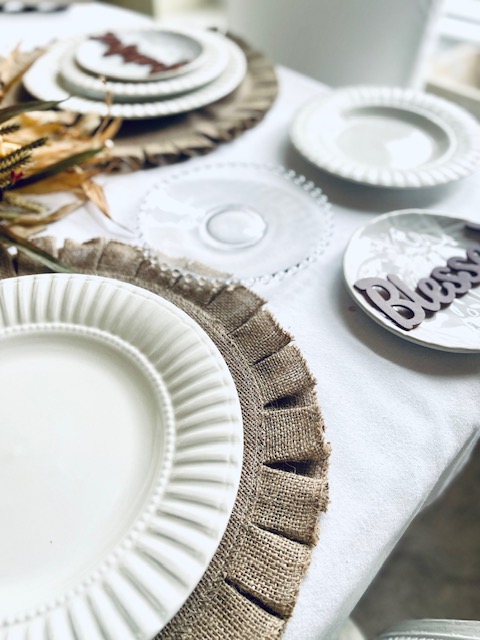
{"points": [[167, 140], [250, 588]]}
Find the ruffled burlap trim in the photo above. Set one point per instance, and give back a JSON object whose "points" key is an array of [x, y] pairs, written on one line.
{"points": [[250, 588], [168, 140]]}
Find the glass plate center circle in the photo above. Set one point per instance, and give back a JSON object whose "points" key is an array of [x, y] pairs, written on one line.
{"points": [[234, 226], [80, 447], [388, 137]]}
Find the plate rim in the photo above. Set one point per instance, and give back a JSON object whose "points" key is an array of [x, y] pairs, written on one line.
{"points": [[452, 118], [53, 282], [377, 316]]}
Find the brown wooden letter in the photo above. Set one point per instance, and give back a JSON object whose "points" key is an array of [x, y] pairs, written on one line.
{"points": [[461, 280], [371, 288]]}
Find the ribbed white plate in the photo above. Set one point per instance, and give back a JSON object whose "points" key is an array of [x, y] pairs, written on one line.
{"points": [[409, 244], [43, 79], [121, 453], [388, 137], [215, 58]]}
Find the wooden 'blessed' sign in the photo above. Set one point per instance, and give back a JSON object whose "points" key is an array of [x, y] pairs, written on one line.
{"points": [[406, 307]]}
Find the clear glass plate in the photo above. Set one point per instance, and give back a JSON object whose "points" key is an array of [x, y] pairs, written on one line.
{"points": [[245, 222]]}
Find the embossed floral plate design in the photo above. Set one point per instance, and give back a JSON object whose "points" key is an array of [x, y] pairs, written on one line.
{"points": [[388, 137], [121, 453], [409, 244]]}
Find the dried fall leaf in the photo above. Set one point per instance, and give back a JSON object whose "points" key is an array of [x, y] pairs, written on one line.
{"points": [[32, 220], [24, 245], [65, 181], [95, 194]]}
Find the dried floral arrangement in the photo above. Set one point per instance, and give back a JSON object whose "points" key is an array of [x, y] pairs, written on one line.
{"points": [[45, 150]]}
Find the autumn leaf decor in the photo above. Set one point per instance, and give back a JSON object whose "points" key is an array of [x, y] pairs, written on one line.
{"points": [[45, 150]]}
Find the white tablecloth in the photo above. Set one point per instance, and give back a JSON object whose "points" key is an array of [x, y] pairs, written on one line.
{"points": [[400, 417]]}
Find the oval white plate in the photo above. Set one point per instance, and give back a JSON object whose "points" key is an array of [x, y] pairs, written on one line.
{"points": [[168, 47], [410, 244], [388, 137], [42, 80], [215, 60], [121, 453]]}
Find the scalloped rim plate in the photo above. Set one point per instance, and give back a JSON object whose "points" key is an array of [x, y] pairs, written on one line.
{"points": [[410, 243], [121, 447], [388, 137], [215, 60], [42, 81]]}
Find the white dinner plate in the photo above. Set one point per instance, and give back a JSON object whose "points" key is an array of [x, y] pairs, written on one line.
{"points": [[388, 137], [215, 59], [121, 453], [139, 51], [43, 81], [409, 244]]}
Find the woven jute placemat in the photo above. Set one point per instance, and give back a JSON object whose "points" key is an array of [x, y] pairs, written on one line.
{"points": [[249, 589]]}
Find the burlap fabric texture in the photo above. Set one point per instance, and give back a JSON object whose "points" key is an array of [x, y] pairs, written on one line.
{"points": [[250, 588], [162, 141]]}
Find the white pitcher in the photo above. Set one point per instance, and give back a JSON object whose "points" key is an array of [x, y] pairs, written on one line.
{"points": [[342, 42]]}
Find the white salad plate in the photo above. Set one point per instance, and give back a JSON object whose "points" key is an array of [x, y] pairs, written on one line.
{"points": [[215, 61], [180, 50], [43, 81], [121, 453], [388, 137], [409, 244]]}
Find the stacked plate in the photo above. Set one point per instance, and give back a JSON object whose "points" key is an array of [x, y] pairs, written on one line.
{"points": [[138, 73]]}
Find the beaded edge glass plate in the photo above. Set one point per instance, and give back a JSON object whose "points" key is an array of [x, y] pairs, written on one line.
{"points": [[120, 472], [410, 243], [387, 137], [235, 222]]}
